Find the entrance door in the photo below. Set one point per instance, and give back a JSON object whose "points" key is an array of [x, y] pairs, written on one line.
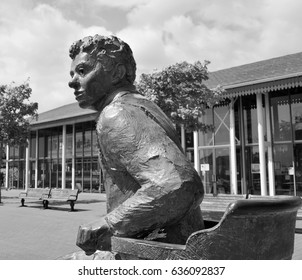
{"points": [[284, 169], [252, 166], [222, 169], [215, 169]]}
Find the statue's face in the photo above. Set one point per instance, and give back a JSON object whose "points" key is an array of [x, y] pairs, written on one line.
{"points": [[89, 80]]}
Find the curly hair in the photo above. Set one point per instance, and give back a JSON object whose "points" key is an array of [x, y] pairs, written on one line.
{"points": [[109, 51]]}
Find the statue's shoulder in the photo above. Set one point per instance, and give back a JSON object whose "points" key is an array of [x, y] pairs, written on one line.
{"points": [[112, 111], [118, 114], [121, 105]]}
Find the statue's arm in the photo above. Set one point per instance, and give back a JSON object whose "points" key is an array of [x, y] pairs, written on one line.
{"points": [[154, 206]]}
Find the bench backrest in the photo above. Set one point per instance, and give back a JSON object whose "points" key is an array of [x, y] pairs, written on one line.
{"points": [[38, 193], [249, 230], [67, 194], [223, 199]]}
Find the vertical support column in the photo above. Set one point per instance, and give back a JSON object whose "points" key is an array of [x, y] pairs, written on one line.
{"points": [[183, 138], [7, 168], [233, 169], [261, 145], [64, 157], [27, 153], [73, 158], [196, 152], [243, 158], [270, 156], [37, 159]]}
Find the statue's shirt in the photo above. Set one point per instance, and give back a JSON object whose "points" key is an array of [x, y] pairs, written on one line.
{"points": [[150, 184]]}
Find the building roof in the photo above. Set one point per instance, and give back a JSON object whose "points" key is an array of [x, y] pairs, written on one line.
{"points": [[262, 76], [275, 73], [70, 113]]}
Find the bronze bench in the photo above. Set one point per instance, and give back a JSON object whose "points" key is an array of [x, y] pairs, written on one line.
{"points": [[250, 229], [214, 206]]}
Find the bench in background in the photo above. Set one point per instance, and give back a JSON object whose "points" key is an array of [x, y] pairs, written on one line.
{"points": [[66, 195], [34, 194]]}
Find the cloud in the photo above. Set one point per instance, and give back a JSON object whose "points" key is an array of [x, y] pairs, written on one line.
{"points": [[36, 46], [36, 35], [228, 33], [121, 4]]}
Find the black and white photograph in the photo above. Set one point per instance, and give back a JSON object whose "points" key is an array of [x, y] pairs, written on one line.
{"points": [[134, 132]]}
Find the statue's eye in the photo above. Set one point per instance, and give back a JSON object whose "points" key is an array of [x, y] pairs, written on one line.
{"points": [[81, 71]]}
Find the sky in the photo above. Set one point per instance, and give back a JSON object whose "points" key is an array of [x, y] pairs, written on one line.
{"points": [[35, 36]]}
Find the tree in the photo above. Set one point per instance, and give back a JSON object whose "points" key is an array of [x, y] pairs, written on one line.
{"points": [[16, 112], [179, 90]]}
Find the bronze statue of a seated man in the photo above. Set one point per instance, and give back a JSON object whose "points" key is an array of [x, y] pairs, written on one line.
{"points": [[152, 188]]}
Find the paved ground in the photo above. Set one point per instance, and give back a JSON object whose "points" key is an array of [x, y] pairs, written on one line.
{"points": [[33, 233]]}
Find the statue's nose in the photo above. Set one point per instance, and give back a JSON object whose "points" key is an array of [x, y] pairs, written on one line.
{"points": [[73, 83]]}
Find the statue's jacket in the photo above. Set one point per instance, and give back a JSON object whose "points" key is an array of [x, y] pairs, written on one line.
{"points": [[151, 186]]}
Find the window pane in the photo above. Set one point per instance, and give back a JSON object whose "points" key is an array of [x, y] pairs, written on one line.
{"points": [[94, 144], [281, 125], [297, 115], [250, 119], [223, 170], [206, 139], [206, 164], [79, 144], [284, 169], [222, 125], [69, 146], [87, 143], [54, 146]]}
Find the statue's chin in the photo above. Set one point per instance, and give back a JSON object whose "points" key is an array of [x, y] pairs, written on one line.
{"points": [[83, 105], [90, 104]]}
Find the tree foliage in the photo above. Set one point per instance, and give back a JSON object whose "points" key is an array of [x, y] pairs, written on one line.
{"points": [[16, 112], [179, 90]]}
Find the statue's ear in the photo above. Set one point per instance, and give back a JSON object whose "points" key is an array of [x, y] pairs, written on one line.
{"points": [[118, 73]]}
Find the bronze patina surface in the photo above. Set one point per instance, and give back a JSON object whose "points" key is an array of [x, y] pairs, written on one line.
{"points": [[153, 191]]}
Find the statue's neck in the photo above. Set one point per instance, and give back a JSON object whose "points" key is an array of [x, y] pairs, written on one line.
{"points": [[114, 94]]}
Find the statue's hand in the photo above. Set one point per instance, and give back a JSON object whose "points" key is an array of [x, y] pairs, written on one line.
{"points": [[94, 236]]}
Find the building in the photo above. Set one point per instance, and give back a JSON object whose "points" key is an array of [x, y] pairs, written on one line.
{"points": [[255, 147], [60, 139]]}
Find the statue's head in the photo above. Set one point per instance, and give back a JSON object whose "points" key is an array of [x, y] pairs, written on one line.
{"points": [[99, 66]]}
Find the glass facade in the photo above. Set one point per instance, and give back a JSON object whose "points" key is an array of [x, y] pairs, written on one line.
{"points": [[286, 109], [214, 150], [281, 118], [87, 175], [46, 155]]}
